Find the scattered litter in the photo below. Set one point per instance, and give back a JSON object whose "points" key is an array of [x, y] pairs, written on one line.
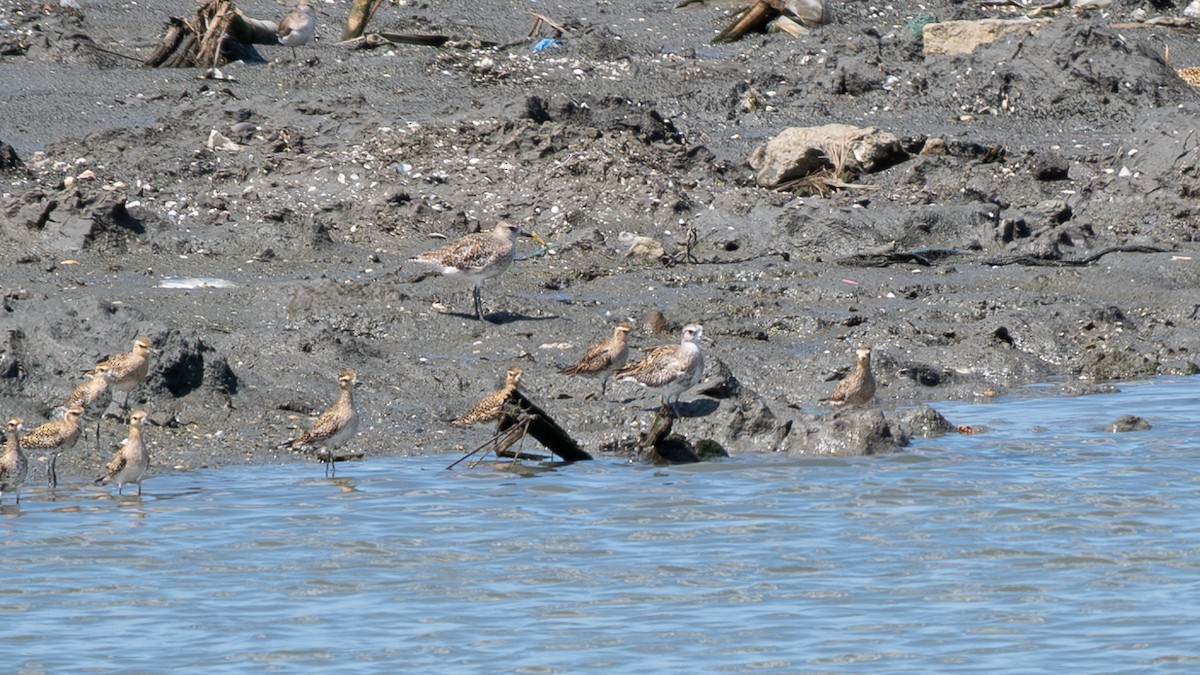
{"points": [[546, 43], [217, 141], [193, 283]]}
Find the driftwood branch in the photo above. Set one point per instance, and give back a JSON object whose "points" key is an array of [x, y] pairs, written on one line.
{"points": [[216, 33], [360, 14], [542, 427], [660, 446], [756, 18], [386, 39], [520, 418]]}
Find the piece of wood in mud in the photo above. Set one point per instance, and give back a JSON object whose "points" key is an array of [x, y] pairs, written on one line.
{"points": [[215, 28], [542, 428], [660, 447], [752, 18]]}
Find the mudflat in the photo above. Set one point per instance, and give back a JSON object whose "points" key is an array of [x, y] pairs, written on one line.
{"points": [[1036, 221]]}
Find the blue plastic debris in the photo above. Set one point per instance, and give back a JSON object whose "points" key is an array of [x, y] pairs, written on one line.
{"points": [[545, 43]]}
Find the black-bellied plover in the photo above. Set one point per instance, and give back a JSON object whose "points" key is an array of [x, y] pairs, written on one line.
{"points": [[131, 461], [490, 407], [604, 358], [476, 257], [93, 396], [298, 28], [673, 369], [858, 387], [55, 436], [334, 427], [13, 464], [129, 369]]}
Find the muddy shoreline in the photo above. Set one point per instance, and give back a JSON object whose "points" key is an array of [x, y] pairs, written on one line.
{"points": [[964, 269]]}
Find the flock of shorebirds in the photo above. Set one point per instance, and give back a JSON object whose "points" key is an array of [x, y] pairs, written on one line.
{"points": [[123, 372], [475, 258]]}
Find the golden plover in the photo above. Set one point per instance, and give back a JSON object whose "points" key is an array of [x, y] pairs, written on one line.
{"points": [[476, 257], [132, 460], [334, 427], [128, 370], [604, 358], [13, 464], [93, 396], [858, 387], [491, 406], [673, 369], [55, 436]]}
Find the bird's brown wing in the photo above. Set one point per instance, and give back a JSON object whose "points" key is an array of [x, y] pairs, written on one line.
{"points": [[114, 467], [596, 359]]}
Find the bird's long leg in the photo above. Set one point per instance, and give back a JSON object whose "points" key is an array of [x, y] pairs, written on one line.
{"points": [[478, 295], [98, 432], [332, 465], [52, 472]]}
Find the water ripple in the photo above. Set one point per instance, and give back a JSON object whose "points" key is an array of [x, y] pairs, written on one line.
{"points": [[1045, 541]]}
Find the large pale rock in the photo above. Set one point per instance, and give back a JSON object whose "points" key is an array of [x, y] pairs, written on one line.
{"points": [[964, 37], [1193, 10], [798, 151], [846, 433]]}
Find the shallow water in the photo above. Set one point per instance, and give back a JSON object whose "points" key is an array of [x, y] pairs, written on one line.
{"points": [[1045, 543]]}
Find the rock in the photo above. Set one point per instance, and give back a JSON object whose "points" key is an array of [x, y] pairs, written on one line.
{"points": [[964, 37], [1192, 11], [799, 151], [923, 421], [846, 433], [924, 374], [10, 163], [1128, 423], [935, 146]]}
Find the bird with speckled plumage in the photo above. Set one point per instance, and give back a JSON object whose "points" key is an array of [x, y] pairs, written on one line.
{"points": [[14, 466], [858, 387], [490, 407], [604, 358], [672, 369], [93, 396], [334, 427], [55, 436], [131, 461], [476, 257], [129, 369]]}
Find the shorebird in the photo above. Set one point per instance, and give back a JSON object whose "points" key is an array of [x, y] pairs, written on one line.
{"points": [[491, 406], [55, 436], [128, 370], [858, 387], [132, 460], [93, 396], [13, 464], [335, 426], [298, 28], [604, 358], [476, 257], [673, 369]]}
